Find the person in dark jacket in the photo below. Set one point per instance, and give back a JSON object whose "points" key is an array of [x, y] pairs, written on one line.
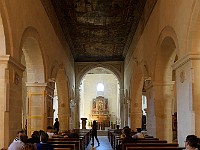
{"points": [[94, 133], [43, 145], [72, 134], [128, 138], [56, 126], [35, 137]]}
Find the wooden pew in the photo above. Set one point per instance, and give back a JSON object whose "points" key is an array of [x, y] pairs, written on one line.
{"points": [[64, 146], [127, 146], [155, 148], [65, 143], [80, 143], [63, 149]]}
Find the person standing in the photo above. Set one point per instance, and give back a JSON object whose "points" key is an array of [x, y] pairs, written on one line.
{"points": [[56, 126], [94, 133]]}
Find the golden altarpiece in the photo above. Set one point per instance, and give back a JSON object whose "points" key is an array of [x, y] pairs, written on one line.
{"points": [[100, 111]]}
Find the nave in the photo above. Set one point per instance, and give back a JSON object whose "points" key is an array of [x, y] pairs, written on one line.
{"points": [[104, 144]]}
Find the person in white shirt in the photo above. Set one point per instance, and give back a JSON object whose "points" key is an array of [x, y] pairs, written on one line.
{"points": [[18, 142], [139, 134], [50, 132]]}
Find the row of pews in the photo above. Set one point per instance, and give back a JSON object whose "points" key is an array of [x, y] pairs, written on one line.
{"points": [[147, 143], [80, 143]]}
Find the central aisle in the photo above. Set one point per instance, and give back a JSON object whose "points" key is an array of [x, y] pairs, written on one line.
{"points": [[104, 144]]}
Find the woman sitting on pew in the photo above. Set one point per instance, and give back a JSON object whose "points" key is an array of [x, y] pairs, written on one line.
{"points": [[127, 138], [122, 132]]}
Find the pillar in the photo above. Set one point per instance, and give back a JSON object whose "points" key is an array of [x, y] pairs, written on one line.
{"points": [[11, 73], [187, 88], [40, 107], [159, 108], [77, 114], [136, 117]]}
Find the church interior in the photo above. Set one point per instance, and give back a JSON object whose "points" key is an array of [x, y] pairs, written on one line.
{"points": [[130, 63]]}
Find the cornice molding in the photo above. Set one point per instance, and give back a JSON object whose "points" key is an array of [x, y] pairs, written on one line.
{"points": [[184, 60]]}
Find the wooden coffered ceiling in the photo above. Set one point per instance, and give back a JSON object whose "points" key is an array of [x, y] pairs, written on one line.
{"points": [[100, 30]]}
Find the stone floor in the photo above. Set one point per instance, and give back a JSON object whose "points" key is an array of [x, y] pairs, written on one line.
{"points": [[104, 144]]}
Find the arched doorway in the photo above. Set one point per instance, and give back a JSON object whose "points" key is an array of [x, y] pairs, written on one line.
{"points": [[161, 92], [35, 107], [100, 98]]}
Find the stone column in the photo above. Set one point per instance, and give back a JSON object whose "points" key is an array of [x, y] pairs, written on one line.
{"points": [[11, 73], [77, 114], [188, 98], [37, 106], [159, 99], [63, 113], [136, 117], [122, 106]]}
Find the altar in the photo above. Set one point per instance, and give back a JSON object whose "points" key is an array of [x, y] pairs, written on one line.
{"points": [[100, 111]]}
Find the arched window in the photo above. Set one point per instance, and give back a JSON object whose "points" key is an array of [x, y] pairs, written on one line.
{"points": [[100, 87]]}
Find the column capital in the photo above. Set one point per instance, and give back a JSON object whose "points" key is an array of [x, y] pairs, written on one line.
{"points": [[185, 59], [36, 84], [7, 59]]}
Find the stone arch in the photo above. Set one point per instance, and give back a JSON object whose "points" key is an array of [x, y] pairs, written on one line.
{"points": [[5, 32], [62, 84], [166, 49], [86, 68], [34, 59], [34, 87], [169, 44], [193, 37], [2, 38], [110, 68]]}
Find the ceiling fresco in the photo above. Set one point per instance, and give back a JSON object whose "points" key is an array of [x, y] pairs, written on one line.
{"points": [[99, 30]]}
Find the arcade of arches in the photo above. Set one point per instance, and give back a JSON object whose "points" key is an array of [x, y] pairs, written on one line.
{"points": [[163, 65]]}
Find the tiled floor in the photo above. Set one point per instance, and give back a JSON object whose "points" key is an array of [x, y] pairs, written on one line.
{"points": [[104, 144]]}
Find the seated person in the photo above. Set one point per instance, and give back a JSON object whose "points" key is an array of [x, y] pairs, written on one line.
{"points": [[29, 146], [72, 134], [50, 132], [128, 138], [139, 134], [35, 137], [117, 130], [43, 145], [19, 142], [191, 142], [122, 132]]}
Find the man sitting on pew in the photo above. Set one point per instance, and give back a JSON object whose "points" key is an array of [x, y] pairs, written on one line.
{"points": [[117, 130], [72, 134], [127, 138]]}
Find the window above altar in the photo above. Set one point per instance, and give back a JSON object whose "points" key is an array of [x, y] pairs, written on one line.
{"points": [[100, 89]]}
